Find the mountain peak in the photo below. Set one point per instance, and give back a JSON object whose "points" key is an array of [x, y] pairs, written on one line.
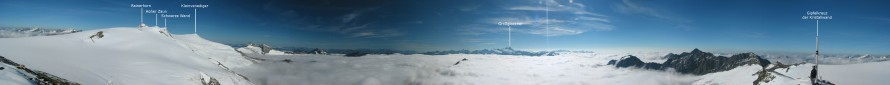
{"points": [[694, 51]]}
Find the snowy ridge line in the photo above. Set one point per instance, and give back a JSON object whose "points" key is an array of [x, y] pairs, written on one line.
{"points": [[253, 59], [36, 76]]}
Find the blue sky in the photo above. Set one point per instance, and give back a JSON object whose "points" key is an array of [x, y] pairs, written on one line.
{"points": [[858, 26]]}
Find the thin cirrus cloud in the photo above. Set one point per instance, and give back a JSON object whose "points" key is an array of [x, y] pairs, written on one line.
{"points": [[635, 7], [539, 17], [377, 33], [348, 21]]}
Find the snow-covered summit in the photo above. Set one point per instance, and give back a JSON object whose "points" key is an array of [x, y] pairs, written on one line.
{"points": [[261, 49]]}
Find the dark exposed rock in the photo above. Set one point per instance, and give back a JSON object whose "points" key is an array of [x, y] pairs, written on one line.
{"points": [[356, 54], [696, 62], [98, 35], [629, 61], [265, 48], [767, 75], [210, 81], [633, 61], [287, 60], [699, 63], [458, 62]]}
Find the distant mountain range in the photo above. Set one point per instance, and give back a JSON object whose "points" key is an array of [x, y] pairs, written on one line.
{"points": [[498, 51], [11, 32], [307, 50], [788, 58], [826, 59]]}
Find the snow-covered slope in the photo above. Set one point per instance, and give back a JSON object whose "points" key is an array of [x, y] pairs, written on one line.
{"points": [[224, 54], [874, 73], [126, 56], [742, 75], [9, 76]]}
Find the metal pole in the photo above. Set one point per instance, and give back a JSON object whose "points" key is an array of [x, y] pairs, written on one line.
{"points": [[817, 44]]}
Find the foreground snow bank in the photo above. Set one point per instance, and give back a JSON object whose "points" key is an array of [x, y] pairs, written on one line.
{"points": [[126, 56], [873, 73]]}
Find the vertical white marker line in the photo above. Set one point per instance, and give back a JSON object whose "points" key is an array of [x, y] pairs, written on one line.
{"points": [[141, 11], [509, 36], [547, 23], [196, 20], [165, 22], [156, 20]]}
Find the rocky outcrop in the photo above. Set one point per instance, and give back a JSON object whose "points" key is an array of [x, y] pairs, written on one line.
{"points": [[633, 61], [318, 51], [98, 35], [264, 49], [696, 62], [207, 80]]}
